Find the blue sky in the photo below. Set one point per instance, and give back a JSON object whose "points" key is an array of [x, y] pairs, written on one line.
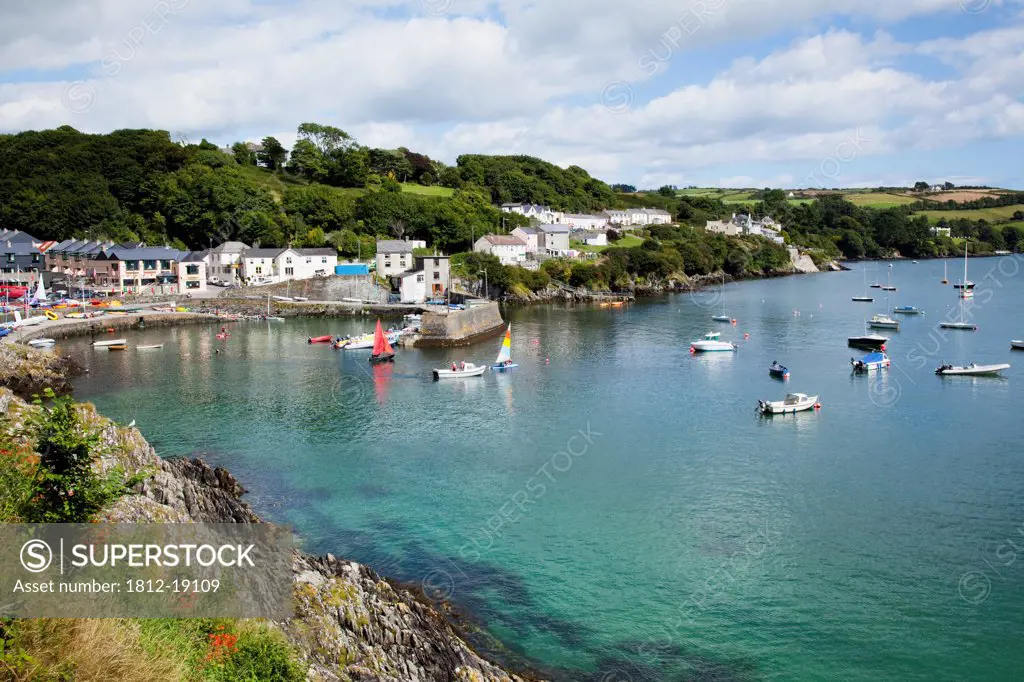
{"points": [[745, 92]]}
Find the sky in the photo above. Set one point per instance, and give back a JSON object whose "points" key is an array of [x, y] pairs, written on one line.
{"points": [[731, 93]]}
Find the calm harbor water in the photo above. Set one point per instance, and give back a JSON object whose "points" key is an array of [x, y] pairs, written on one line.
{"points": [[613, 509]]}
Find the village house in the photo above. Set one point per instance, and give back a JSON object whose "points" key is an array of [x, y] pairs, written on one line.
{"points": [[262, 266], [530, 237], [394, 256], [615, 217], [596, 238], [510, 249], [21, 252], [582, 221], [746, 225], [554, 239], [427, 279], [192, 273], [941, 231], [121, 269], [307, 263], [223, 262], [542, 214]]}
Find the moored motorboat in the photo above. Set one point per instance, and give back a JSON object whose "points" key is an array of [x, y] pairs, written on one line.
{"points": [[778, 371], [1017, 344], [876, 285], [965, 326], [320, 339], [793, 403], [889, 288], [721, 318], [882, 321], [872, 362], [155, 346], [711, 344], [907, 310], [467, 369], [971, 370], [862, 299]]}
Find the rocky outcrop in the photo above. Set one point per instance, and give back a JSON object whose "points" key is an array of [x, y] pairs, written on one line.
{"points": [[349, 623], [27, 371]]}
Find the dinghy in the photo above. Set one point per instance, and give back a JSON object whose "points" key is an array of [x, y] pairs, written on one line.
{"points": [[1017, 344], [872, 362], [120, 346], [907, 310], [862, 299], [155, 346], [778, 371], [793, 403], [971, 370], [468, 369], [107, 344], [504, 359], [382, 350], [42, 343], [319, 339]]}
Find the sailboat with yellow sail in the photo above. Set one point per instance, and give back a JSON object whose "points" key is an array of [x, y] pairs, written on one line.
{"points": [[504, 359]]}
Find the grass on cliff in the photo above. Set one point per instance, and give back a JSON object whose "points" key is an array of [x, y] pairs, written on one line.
{"points": [[141, 650]]}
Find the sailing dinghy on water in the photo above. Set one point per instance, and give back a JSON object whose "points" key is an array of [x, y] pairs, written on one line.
{"points": [[504, 359], [382, 350]]}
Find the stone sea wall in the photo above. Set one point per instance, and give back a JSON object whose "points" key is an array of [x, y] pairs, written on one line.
{"points": [[460, 327]]}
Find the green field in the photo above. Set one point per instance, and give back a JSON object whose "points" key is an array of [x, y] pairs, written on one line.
{"points": [[432, 191], [1000, 214], [629, 241], [877, 199]]}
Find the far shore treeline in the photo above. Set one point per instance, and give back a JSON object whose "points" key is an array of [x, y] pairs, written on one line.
{"points": [[142, 186]]}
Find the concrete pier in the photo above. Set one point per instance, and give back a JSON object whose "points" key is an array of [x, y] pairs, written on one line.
{"points": [[447, 328]]}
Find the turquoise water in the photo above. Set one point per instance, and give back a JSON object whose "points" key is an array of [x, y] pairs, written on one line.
{"points": [[613, 509]]}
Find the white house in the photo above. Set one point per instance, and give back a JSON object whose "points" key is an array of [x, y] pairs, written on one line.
{"points": [[615, 217], [593, 238], [530, 236], [657, 216], [554, 239], [582, 221], [306, 263], [394, 256], [413, 286], [223, 262], [745, 224], [941, 231], [192, 273], [510, 249], [542, 214], [262, 265]]}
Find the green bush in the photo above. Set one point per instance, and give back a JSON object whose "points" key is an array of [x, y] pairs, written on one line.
{"points": [[260, 655]]}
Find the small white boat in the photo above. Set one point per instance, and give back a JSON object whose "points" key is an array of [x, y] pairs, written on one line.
{"points": [[907, 310], [274, 318], [872, 362], [155, 346], [413, 317], [1017, 344], [793, 403], [112, 342], [971, 370], [283, 298], [966, 326], [300, 299], [366, 341], [862, 299], [882, 321], [470, 370], [711, 344], [721, 318], [888, 288], [42, 343]]}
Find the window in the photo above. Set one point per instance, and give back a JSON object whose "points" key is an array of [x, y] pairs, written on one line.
{"points": [[165, 265], [288, 260], [308, 261], [192, 285], [10, 258], [437, 262], [419, 278], [437, 275], [149, 265], [289, 271], [131, 265], [259, 270], [191, 269], [324, 260], [35, 257]]}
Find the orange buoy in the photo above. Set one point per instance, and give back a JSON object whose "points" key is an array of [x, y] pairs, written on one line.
{"points": [[110, 330], [746, 335], [547, 361], [734, 321], [817, 406]]}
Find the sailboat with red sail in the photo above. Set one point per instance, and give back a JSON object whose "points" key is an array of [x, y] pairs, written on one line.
{"points": [[382, 350]]}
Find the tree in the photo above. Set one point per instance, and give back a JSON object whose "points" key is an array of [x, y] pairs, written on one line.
{"points": [[921, 186], [244, 156], [626, 189], [327, 139], [273, 154], [308, 161], [667, 190]]}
